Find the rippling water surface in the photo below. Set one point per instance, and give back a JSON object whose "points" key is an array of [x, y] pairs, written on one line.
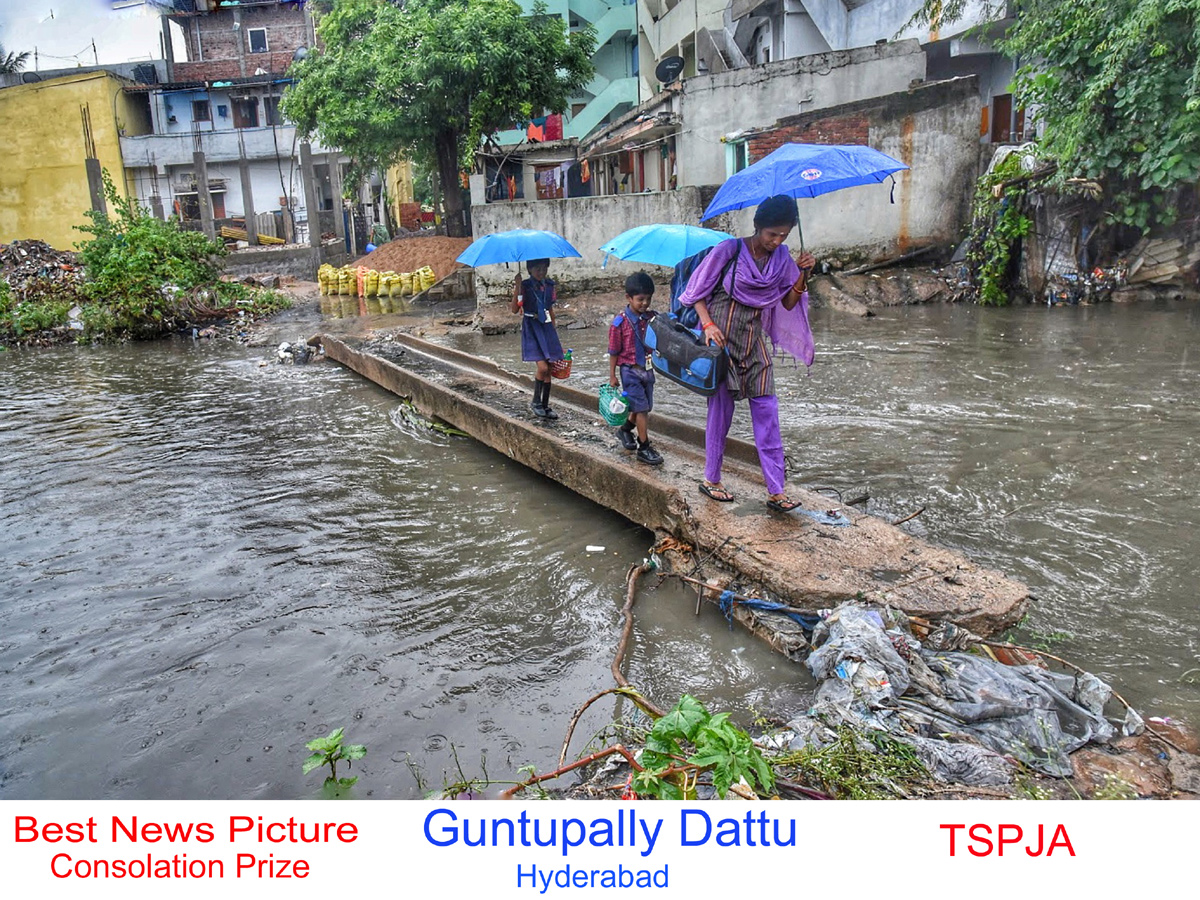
{"points": [[205, 562]]}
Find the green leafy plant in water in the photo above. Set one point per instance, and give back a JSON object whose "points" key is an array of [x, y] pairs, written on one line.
{"points": [[688, 741], [329, 751]]}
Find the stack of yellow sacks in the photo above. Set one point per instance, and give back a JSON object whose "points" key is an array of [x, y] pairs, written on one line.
{"points": [[375, 284]]}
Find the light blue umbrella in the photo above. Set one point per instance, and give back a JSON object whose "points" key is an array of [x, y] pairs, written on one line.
{"points": [[517, 245], [661, 245], [802, 170]]}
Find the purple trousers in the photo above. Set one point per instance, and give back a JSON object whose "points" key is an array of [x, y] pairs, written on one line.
{"points": [[764, 415]]}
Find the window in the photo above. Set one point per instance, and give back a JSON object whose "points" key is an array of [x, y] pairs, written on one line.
{"points": [[245, 112], [258, 40], [271, 113], [737, 156], [201, 111]]}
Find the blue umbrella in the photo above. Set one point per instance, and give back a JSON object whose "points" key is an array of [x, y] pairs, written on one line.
{"points": [[661, 245], [802, 170], [517, 245]]}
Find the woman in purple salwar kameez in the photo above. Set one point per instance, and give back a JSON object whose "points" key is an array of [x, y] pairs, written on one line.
{"points": [[745, 291]]}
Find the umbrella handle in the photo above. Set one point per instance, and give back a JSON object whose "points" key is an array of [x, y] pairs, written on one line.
{"points": [[800, 231]]}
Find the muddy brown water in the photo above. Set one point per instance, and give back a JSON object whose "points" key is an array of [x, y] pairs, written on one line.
{"points": [[205, 561]]}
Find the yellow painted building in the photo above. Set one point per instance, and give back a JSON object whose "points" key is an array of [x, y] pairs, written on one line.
{"points": [[43, 181]]}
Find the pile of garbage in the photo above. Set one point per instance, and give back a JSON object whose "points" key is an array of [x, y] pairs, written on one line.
{"points": [[970, 718], [1074, 288], [36, 267]]}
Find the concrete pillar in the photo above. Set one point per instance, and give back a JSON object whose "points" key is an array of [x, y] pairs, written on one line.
{"points": [[335, 187], [248, 202], [156, 206], [168, 49], [203, 196], [95, 177], [247, 192], [529, 180], [311, 203], [478, 190], [240, 36]]}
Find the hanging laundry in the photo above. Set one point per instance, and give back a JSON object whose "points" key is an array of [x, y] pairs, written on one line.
{"points": [[585, 173], [554, 127], [536, 130], [512, 187]]}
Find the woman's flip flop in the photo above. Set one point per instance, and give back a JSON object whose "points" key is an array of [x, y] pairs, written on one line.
{"points": [[783, 504], [715, 492]]}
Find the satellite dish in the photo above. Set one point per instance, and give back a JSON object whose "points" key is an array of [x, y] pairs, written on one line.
{"points": [[30, 77], [669, 69]]}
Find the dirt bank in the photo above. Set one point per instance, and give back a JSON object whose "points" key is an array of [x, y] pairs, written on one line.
{"points": [[411, 253]]}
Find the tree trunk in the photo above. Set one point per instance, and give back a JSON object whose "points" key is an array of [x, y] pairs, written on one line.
{"points": [[447, 161]]}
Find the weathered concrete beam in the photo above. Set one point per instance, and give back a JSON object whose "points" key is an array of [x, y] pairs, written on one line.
{"points": [[793, 557]]}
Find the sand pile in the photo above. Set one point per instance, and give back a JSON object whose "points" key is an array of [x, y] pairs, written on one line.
{"points": [[409, 254]]}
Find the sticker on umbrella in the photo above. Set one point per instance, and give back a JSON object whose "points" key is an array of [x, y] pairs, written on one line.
{"points": [[810, 174]]}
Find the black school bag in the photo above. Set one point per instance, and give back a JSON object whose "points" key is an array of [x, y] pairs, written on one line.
{"points": [[678, 351]]}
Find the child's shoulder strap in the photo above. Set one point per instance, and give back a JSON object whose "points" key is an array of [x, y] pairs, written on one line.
{"points": [[618, 319]]}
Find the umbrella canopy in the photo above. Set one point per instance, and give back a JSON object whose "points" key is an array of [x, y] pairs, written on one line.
{"points": [[661, 245], [517, 245], [802, 170]]}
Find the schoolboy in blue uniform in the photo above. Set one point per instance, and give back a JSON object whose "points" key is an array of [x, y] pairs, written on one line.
{"points": [[627, 350]]}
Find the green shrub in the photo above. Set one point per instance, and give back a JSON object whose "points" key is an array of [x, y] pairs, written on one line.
{"points": [[137, 265]]}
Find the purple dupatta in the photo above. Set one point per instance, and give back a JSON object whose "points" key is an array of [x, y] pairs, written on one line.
{"points": [[760, 289]]}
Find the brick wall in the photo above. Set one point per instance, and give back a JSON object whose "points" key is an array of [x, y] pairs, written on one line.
{"points": [[854, 129], [216, 50]]}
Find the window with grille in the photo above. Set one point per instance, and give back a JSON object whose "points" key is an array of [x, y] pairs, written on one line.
{"points": [[258, 40]]}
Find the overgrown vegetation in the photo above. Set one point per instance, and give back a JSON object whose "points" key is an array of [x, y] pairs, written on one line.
{"points": [[1115, 87], [143, 278], [867, 765], [998, 224]]}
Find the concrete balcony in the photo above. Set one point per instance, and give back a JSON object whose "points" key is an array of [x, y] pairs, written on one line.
{"points": [[218, 146]]}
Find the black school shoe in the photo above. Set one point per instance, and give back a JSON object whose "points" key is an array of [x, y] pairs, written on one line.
{"points": [[648, 455], [628, 441]]}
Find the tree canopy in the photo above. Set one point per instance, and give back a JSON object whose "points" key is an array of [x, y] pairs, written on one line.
{"points": [[11, 63], [1116, 88], [429, 78]]}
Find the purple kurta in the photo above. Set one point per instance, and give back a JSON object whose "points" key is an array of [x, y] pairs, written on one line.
{"points": [[747, 307]]}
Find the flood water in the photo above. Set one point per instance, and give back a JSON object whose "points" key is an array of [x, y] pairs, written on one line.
{"points": [[206, 562]]}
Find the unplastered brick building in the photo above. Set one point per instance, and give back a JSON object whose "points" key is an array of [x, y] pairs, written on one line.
{"points": [[237, 40]]}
